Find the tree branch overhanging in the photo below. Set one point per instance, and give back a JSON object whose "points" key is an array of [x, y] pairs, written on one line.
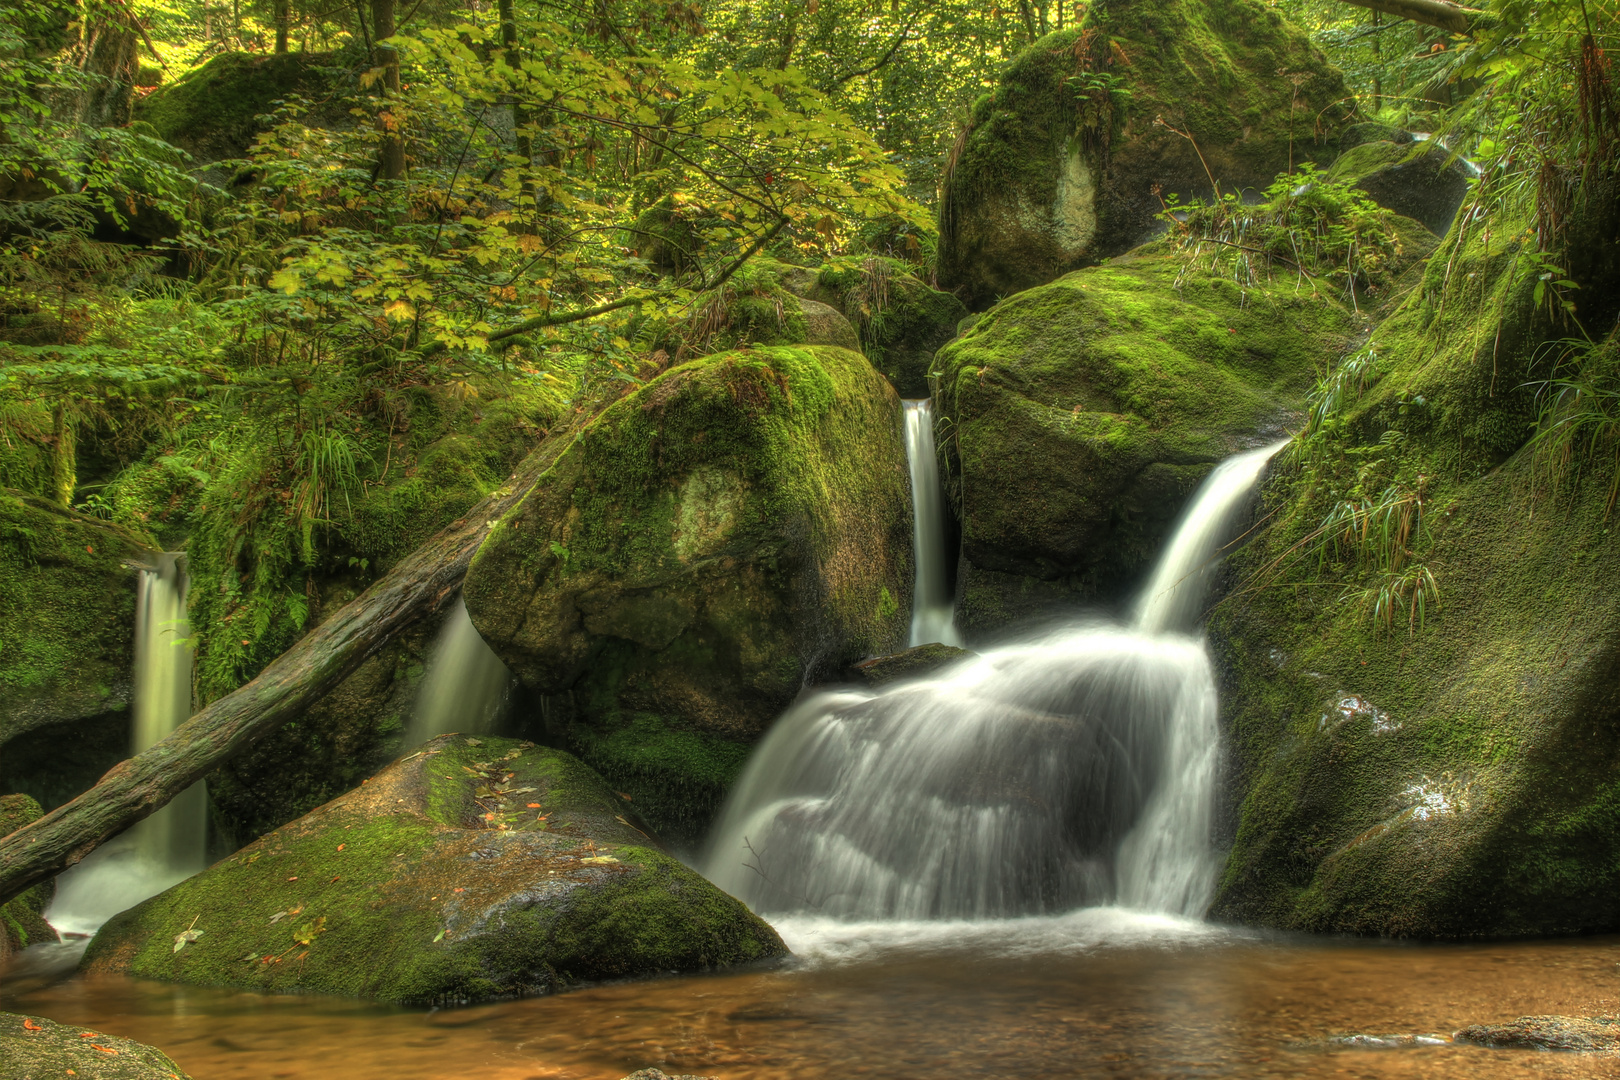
{"points": [[1449, 17]]}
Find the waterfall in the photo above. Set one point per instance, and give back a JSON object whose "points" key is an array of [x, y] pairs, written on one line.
{"points": [[1073, 767], [932, 614], [171, 844], [467, 687]]}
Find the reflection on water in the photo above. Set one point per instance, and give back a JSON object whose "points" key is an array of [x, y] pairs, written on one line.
{"points": [[1101, 993]]}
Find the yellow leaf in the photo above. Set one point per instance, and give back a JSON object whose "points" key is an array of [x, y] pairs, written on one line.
{"points": [[400, 311]]}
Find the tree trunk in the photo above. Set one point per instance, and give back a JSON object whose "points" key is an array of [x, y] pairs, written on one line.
{"points": [[520, 115], [64, 456], [294, 681], [391, 153], [283, 18], [1446, 16]]}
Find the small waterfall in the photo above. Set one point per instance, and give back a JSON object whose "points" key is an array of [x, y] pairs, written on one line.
{"points": [[467, 688], [171, 845], [932, 612], [1074, 767]]}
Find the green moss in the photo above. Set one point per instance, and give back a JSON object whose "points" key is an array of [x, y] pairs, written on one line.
{"points": [[1052, 170], [394, 892], [901, 321], [22, 919], [1080, 415]]}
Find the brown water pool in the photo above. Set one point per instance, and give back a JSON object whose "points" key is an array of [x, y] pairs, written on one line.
{"points": [[1094, 994]]}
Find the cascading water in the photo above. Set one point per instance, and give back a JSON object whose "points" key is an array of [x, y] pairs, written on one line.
{"points": [[467, 688], [1072, 768], [932, 614], [171, 844]]}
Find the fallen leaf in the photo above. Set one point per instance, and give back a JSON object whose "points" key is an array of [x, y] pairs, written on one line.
{"points": [[29, 1025], [461, 890], [489, 817], [330, 882], [103, 1049], [277, 917], [186, 937], [342, 846], [534, 806], [600, 860], [293, 878], [475, 742], [250, 957], [623, 796], [87, 1034], [439, 938]]}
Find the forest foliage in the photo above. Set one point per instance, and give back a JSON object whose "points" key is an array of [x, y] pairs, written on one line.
{"points": [[299, 362]]}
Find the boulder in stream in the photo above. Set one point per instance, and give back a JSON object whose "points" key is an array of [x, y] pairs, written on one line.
{"points": [[1066, 161], [22, 919], [732, 529], [1081, 414], [1578, 1033], [472, 870], [34, 1048]]}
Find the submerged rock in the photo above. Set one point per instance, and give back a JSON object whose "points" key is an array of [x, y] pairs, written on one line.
{"points": [[1084, 412], [1065, 162], [914, 662], [34, 1048], [471, 870], [1581, 1033], [660, 1074], [734, 528]]}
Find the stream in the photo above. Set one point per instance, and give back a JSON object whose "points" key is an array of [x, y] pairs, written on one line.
{"points": [[1097, 992]]}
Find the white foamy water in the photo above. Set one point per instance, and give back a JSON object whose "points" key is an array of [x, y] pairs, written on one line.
{"points": [[467, 688], [933, 615], [1073, 769]]}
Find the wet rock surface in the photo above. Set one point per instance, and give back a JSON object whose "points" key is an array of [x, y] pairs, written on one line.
{"points": [[1579, 1033], [472, 870], [34, 1048], [910, 664]]}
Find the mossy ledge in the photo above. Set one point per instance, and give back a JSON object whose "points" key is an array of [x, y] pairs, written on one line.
{"points": [[471, 870]]}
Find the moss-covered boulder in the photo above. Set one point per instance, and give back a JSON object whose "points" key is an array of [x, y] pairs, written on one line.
{"points": [[22, 919], [1065, 162], [826, 325], [734, 528], [471, 870], [67, 599], [1081, 414], [901, 321], [34, 1048], [1424, 732], [1424, 184], [213, 113]]}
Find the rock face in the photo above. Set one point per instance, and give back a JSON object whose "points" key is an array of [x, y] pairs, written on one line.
{"points": [[34, 1048], [212, 112], [737, 526], [1059, 165], [911, 664], [1447, 771], [1082, 413], [67, 593], [472, 870], [22, 920], [1424, 187], [900, 320]]}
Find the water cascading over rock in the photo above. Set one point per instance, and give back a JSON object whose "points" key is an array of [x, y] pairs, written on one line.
{"points": [[1073, 767], [467, 688], [933, 615]]}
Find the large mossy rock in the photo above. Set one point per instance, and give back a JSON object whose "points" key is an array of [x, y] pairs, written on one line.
{"points": [[901, 320], [22, 919], [213, 112], [733, 529], [67, 599], [470, 871], [1064, 163], [34, 1048], [1455, 775], [1422, 183], [1079, 415]]}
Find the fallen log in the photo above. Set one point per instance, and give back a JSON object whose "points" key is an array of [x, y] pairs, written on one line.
{"points": [[137, 788], [1451, 17]]}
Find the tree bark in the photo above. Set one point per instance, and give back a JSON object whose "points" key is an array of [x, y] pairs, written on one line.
{"points": [[139, 787], [391, 153], [1446, 16], [520, 116], [283, 18]]}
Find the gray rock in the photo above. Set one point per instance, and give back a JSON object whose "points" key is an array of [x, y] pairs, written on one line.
{"points": [[34, 1048]]}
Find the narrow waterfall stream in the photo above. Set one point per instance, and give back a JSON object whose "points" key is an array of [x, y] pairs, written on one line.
{"points": [[171, 844], [467, 688], [932, 611], [1075, 767]]}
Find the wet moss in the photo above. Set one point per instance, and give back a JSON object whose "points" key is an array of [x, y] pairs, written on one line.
{"points": [[22, 919], [1077, 416], [439, 882]]}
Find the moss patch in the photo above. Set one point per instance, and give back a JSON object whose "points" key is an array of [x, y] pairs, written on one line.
{"points": [[706, 545], [33, 1046], [438, 882], [1082, 413], [1060, 160], [22, 919]]}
